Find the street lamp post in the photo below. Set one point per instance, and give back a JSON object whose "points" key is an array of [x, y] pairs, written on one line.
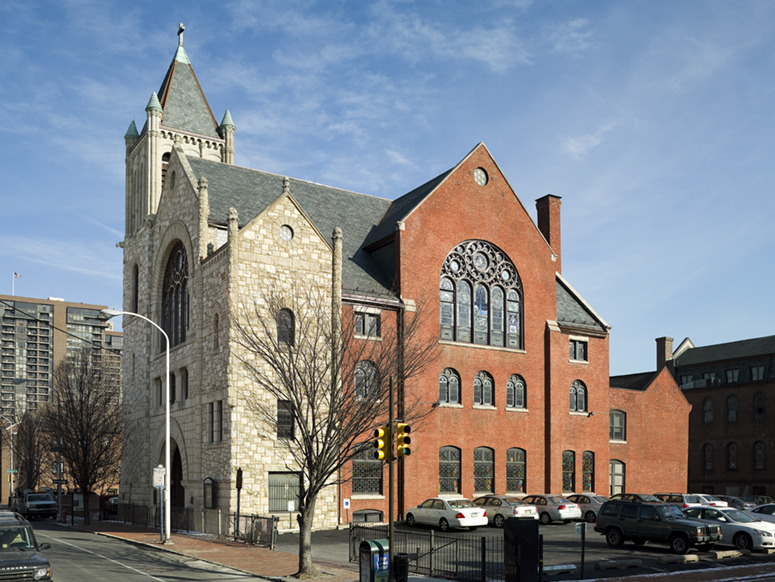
{"points": [[11, 424], [107, 314]]}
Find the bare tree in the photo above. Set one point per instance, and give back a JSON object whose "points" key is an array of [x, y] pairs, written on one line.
{"points": [[85, 420], [324, 388], [31, 450]]}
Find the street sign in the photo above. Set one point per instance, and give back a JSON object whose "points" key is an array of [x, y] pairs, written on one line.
{"points": [[60, 481], [11, 471], [158, 476]]}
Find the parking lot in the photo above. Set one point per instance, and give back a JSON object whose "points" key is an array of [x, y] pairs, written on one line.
{"points": [[562, 546]]}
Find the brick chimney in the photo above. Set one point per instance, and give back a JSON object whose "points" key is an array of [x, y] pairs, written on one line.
{"points": [[664, 351], [548, 209]]}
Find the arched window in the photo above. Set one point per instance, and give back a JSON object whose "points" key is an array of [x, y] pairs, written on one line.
{"points": [[480, 296], [483, 389], [616, 475], [516, 470], [516, 396], [578, 397], [588, 471], [732, 456], [758, 406], [758, 456], [732, 408], [449, 470], [165, 162], [216, 331], [175, 296], [449, 387], [365, 379], [707, 410], [568, 471], [367, 471], [484, 470], [707, 457], [617, 425], [285, 327]]}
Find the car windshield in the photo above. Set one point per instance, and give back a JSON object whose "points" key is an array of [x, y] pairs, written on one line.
{"points": [[16, 538], [672, 512], [514, 501], [600, 498], [41, 497], [558, 500], [741, 516], [711, 498], [460, 503]]}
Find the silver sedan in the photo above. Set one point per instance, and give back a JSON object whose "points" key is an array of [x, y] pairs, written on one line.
{"points": [[554, 508], [501, 507], [589, 504]]}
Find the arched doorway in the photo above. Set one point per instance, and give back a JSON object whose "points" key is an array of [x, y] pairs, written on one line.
{"points": [[177, 494]]}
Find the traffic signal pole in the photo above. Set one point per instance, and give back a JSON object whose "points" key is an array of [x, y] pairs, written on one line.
{"points": [[391, 508]]}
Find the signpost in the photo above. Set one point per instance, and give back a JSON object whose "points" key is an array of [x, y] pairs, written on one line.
{"points": [[158, 482]]}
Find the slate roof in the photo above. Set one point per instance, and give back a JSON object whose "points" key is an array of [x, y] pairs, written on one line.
{"points": [[572, 310], [182, 100], [632, 381], [762, 346], [251, 191]]}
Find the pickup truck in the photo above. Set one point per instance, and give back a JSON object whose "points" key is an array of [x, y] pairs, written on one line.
{"points": [[36, 505], [661, 523]]}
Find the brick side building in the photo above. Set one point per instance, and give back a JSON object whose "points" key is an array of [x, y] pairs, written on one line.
{"points": [[520, 399]]}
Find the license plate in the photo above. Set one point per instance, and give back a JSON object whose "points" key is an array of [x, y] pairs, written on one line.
{"points": [[474, 514], [528, 511]]}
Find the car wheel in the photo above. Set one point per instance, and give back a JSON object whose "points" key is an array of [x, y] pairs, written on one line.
{"points": [[498, 520], [546, 519], [590, 517], [679, 544], [410, 521], [742, 541], [614, 538], [444, 524]]}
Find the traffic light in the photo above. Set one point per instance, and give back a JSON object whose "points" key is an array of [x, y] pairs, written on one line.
{"points": [[402, 440], [382, 443]]}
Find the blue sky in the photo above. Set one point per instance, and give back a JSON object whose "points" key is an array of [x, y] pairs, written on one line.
{"points": [[653, 120]]}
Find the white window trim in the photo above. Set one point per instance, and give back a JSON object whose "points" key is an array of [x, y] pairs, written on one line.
{"points": [[514, 409], [485, 407]]}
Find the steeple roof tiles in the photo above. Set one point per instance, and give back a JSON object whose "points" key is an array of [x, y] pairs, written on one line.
{"points": [[251, 191]]}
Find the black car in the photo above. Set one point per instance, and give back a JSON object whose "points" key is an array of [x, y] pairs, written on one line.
{"points": [[20, 557]]}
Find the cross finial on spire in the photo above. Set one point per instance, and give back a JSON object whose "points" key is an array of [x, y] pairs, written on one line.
{"points": [[181, 28]]}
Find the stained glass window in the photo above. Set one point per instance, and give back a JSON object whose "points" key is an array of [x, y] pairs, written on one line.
{"points": [[449, 470], [588, 471], [285, 331], [484, 470], [732, 456], [175, 297], [367, 471], [568, 471], [449, 386], [480, 296], [515, 471]]}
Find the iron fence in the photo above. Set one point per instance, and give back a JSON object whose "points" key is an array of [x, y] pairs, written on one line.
{"points": [[434, 554], [256, 530]]}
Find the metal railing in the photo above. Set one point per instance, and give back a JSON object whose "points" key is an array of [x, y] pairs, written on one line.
{"points": [[438, 555], [256, 530]]}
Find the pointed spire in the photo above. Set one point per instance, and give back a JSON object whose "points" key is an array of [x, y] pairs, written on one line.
{"points": [[153, 103], [132, 131], [227, 121]]}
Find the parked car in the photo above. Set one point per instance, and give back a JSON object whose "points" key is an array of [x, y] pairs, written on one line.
{"points": [[738, 528], [758, 499], [764, 512], [737, 503], [589, 505], [36, 505], [501, 507], [620, 521], [711, 500], [554, 508], [20, 556], [447, 513], [680, 500], [635, 497]]}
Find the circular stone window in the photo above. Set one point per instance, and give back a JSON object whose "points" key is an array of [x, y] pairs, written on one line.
{"points": [[480, 175], [286, 232]]}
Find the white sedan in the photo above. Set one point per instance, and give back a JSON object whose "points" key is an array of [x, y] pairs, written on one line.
{"points": [[447, 513], [738, 528]]}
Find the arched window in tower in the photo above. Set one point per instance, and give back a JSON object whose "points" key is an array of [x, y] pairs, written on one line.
{"points": [[578, 397], [165, 162], [480, 297], [285, 327], [175, 296]]}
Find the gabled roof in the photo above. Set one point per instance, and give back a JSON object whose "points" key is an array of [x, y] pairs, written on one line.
{"points": [[633, 381], [573, 311], [182, 100], [763, 346], [251, 191]]}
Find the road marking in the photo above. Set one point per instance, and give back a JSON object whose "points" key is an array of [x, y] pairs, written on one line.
{"points": [[59, 540]]}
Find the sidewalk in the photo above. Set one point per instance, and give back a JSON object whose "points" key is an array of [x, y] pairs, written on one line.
{"points": [[268, 564]]}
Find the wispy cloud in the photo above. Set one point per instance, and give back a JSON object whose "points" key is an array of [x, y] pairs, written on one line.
{"points": [[73, 256], [578, 146]]}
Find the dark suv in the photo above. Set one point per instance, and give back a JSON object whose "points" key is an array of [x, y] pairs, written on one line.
{"points": [[20, 557], [661, 523]]}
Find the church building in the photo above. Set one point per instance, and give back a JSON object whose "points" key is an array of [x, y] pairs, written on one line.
{"points": [[519, 395]]}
